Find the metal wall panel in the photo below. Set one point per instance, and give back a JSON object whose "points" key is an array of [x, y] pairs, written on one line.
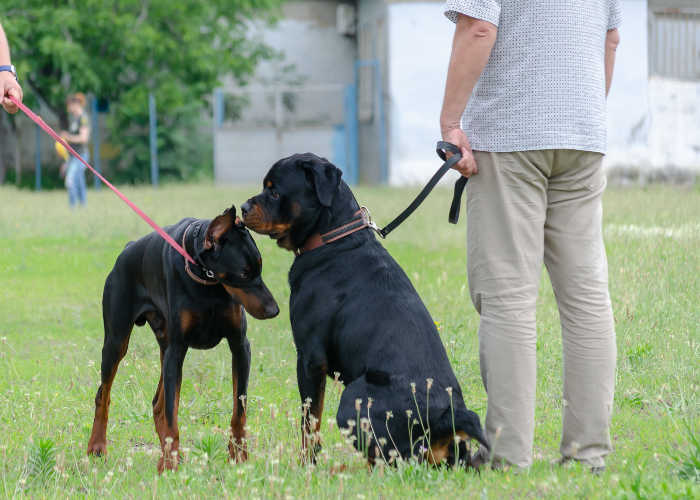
{"points": [[674, 43]]}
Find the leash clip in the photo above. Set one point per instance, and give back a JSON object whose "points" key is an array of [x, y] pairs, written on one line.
{"points": [[367, 219], [209, 274]]}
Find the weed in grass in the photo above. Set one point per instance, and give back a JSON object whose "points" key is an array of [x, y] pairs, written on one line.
{"points": [[209, 449], [639, 353], [41, 464], [686, 460]]}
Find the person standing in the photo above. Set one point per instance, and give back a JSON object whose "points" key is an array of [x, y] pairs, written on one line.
{"points": [[8, 77], [525, 103], [78, 136]]}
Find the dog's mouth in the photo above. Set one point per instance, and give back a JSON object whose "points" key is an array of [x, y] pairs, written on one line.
{"points": [[278, 235]]}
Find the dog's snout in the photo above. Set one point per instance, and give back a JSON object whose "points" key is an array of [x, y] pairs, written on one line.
{"points": [[245, 208], [272, 310]]}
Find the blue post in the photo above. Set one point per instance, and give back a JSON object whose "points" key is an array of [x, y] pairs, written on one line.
{"points": [[154, 138], [37, 171], [96, 141], [218, 107], [218, 119], [351, 131]]}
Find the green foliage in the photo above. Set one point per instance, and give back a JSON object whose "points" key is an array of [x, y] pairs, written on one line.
{"points": [[122, 50], [686, 461], [209, 449], [42, 461]]}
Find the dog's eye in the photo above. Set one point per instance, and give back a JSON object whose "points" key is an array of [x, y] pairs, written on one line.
{"points": [[275, 195]]}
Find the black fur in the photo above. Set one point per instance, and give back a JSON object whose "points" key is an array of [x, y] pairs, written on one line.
{"points": [[355, 312], [149, 284]]}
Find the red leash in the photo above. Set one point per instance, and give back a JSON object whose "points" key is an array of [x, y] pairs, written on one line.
{"points": [[37, 119]]}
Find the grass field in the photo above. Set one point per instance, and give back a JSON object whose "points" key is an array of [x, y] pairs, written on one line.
{"points": [[53, 263]]}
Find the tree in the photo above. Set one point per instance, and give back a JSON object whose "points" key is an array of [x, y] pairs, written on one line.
{"points": [[121, 50]]}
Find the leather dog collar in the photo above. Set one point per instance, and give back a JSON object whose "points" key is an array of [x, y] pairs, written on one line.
{"points": [[201, 275], [363, 220]]}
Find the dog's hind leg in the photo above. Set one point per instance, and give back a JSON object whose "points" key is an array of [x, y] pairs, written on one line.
{"points": [[118, 323], [159, 405]]}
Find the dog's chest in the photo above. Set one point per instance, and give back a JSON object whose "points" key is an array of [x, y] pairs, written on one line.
{"points": [[203, 328]]}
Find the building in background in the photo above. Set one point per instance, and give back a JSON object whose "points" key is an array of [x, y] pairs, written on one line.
{"points": [[361, 83]]}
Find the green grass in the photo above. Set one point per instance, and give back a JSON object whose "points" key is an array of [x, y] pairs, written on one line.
{"points": [[53, 263]]}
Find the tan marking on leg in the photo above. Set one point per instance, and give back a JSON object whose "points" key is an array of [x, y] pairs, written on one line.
{"points": [[237, 445], [439, 450]]}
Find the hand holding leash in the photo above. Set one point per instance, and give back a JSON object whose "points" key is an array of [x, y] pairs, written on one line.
{"points": [[442, 149]]}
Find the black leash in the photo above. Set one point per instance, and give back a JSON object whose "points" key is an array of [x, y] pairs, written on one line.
{"points": [[441, 149]]}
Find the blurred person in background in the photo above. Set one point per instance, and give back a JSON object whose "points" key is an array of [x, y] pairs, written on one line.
{"points": [[525, 102], [8, 76], [77, 135]]}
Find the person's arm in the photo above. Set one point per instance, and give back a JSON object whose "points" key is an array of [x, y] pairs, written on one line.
{"points": [[471, 48], [612, 40], [8, 82], [82, 137]]}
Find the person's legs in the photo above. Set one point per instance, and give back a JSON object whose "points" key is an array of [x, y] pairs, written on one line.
{"points": [[506, 207], [71, 182], [577, 265], [82, 186]]}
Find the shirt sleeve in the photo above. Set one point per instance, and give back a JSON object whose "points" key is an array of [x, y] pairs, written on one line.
{"points": [[84, 121], [486, 10], [614, 14]]}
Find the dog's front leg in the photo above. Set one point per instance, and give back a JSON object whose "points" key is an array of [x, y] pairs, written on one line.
{"points": [[311, 377], [172, 380], [240, 370]]}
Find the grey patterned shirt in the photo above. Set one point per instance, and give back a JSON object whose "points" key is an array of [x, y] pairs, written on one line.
{"points": [[544, 84]]}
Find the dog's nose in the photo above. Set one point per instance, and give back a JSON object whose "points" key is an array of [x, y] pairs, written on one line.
{"points": [[245, 208], [272, 310]]}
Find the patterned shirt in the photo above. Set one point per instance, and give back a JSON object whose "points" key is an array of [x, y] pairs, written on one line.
{"points": [[544, 84]]}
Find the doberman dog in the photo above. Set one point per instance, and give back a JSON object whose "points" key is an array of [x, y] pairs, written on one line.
{"points": [[356, 317], [185, 306]]}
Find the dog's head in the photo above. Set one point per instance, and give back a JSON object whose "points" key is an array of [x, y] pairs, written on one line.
{"points": [[230, 253], [296, 192]]}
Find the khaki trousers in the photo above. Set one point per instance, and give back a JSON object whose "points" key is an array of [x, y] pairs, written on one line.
{"points": [[525, 208]]}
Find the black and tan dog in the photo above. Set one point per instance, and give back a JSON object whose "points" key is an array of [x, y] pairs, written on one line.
{"points": [[185, 306], [354, 312]]}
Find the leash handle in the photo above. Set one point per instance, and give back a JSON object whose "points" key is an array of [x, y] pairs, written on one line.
{"points": [[37, 119], [442, 149]]}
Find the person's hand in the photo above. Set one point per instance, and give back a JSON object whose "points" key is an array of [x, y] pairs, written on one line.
{"points": [[467, 165], [9, 85]]}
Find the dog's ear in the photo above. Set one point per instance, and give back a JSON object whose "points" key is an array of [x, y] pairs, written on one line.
{"points": [[219, 226], [325, 177]]}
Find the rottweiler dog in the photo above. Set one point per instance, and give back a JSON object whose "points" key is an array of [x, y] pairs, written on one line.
{"points": [[186, 306], [356, 317]]}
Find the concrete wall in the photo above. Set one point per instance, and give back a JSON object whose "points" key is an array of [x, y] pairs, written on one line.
{"points": [[420, 39], [373, 44], [628, 101], [314, 56], [653, 123]]}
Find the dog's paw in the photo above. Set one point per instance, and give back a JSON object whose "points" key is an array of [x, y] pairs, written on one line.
{"points": [[237, 452], [97, 449]]}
